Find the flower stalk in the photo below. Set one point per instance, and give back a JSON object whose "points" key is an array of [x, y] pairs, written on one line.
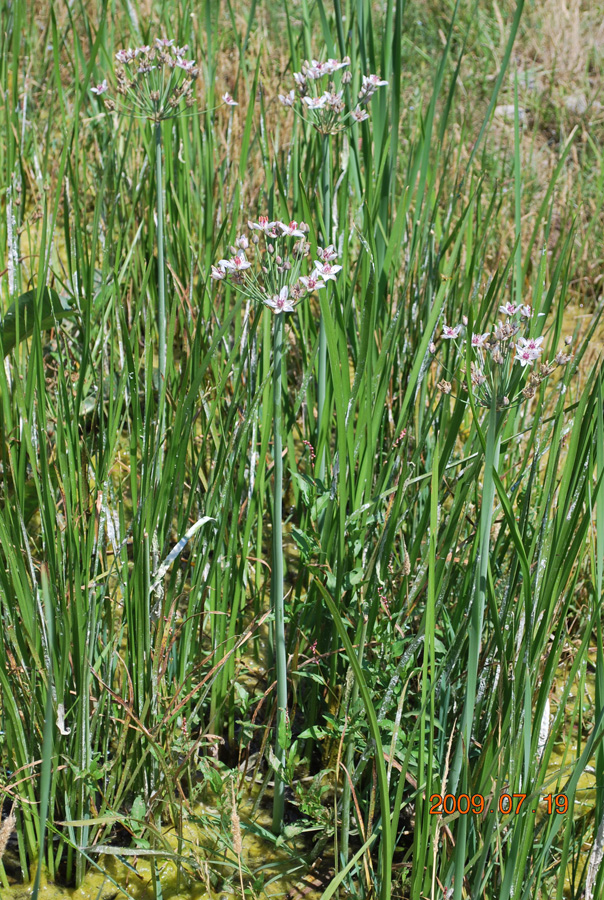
{"points": [[322, 362], [277, 583], [161, 295], [491, 462], [503, 369], [276, 282]]}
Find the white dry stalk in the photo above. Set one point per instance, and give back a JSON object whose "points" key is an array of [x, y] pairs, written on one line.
{"points": [[176, 550], [6, 829], [395, 732], [12, 259], [62, 728], [543, 730], [236, 824], [595, 861]]}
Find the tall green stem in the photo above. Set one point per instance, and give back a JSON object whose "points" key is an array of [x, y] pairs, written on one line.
{"points": [[161, 307], [322, 372], [277, 582], [476, 619], [346, 789], [462, 751]]}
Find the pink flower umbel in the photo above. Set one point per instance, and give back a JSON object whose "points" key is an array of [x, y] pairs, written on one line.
{"points": [[282, 255], [152, 81], [323, 98], [493, 378]]}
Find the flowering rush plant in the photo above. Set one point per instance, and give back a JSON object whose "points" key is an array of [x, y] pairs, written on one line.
{"points": [[506, 365], [324, 104], [152, 81], [282, 257]]}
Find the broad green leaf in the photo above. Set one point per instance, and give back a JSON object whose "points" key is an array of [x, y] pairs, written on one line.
{"points": [[52, 310]]}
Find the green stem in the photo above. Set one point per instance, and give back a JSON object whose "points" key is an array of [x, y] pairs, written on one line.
{"points": [[462, 751], [493, 443], [346, 790], [161, 308], [322, 371], [277, 582]]}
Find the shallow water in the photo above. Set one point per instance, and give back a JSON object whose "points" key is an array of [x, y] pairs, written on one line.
{"points": [[206, 862]]}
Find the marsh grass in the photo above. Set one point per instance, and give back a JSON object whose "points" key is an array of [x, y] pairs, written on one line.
{"points": [[127, 657]]}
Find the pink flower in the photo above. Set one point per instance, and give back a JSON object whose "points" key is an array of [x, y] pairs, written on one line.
{"points": [[373, 81], [526, 311], [291, 230], [263, 225], [510, 309], [327, 254], [316, 69], [332, 65], [217, 274], [163, 43], [288, 99], [479, 340], [237, 264], [189, 65], [315, 102], [326, 270], [450, 333], [226, 98], [533, 344], [358, 114], [525, 356], [334, 99], [312, 283], [280, 303], [100, 88], [125, 56]]}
